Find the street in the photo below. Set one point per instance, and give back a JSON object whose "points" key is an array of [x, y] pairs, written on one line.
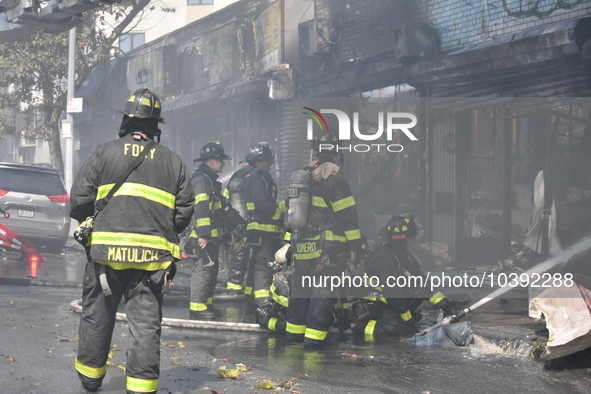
{"points": [[39, 331]]}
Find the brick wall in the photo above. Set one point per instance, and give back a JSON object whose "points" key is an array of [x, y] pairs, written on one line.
{"points": [[463, 22]]}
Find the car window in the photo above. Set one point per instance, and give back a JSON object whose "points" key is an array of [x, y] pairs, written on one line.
{"points": [[32, 182]]}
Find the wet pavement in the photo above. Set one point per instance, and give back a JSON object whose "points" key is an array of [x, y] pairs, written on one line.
{"points": [[38, 345]]}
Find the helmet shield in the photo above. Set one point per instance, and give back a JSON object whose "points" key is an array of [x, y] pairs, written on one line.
{"points": [[143, 103], [327, 138], [400, 228]]}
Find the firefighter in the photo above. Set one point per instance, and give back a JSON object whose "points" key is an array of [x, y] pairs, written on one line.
{"points": [[330, 238], [134, 243], [273, 313], [203, 244], [395, 310], [238, 264], [262, 230]]}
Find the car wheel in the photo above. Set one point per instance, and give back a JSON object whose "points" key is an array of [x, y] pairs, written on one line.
{"points": [[55, 247]]}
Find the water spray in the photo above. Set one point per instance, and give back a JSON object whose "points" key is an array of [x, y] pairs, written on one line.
{"points": [[561, 258]]}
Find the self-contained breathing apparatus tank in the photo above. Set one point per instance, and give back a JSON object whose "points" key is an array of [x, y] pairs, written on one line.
{"points": [[237, 200], [299, 200]]}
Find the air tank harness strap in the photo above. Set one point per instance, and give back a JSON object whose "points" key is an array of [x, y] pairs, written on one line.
{"points": [[103, 279]]}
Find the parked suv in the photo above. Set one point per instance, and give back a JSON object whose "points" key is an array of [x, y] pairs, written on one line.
{"points": [[36, 203]]}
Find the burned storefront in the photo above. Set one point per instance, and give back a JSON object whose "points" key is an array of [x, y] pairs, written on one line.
{"points": [[489, 147], [247, 73], [481, 144]]}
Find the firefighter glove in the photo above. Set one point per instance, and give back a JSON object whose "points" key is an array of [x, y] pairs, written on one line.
{"points": [[263, 315], [448, 307], [192, 246]]}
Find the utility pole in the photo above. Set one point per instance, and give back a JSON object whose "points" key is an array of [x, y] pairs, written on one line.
{"points": [[68, 124]]}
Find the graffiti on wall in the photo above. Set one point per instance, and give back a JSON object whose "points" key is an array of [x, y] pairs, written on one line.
{"points": [[537, 8]]}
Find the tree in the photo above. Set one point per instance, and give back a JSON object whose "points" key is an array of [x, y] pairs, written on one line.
{"points": [[33, 71]]}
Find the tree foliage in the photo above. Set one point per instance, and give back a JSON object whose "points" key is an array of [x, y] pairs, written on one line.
{"points": [[33, 71]]}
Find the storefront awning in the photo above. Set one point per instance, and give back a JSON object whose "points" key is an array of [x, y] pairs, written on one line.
{"points": [[514, 54]]}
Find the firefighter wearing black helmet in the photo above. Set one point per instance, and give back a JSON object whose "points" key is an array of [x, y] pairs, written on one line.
{"points": [[262, 230], [395, 310], [203, 244], [134, 243], [238, 262], [330, 239]]}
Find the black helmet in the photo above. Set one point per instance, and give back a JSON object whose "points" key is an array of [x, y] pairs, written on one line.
{"points": [[143, 103], [325, 137], [212, 150], [400, 228], [259, 151]]}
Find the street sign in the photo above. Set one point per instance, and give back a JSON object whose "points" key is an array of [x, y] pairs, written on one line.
{"points": [[74, 104], [67, 128]]}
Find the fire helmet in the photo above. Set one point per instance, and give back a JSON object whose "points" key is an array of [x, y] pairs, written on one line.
{"points": [[143, 103], [325, 137], [259, 151], [400, 228], [212, 150]]}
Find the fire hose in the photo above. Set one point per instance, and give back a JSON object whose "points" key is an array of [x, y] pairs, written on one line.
{"points": [[183, 323], [552, 262]]}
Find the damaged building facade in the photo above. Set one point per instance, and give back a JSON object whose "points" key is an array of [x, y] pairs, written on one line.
{"points": [[501, 90]]}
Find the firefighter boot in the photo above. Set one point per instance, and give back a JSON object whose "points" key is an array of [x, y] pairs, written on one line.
{"points": [[91, 385], [202, 315]]}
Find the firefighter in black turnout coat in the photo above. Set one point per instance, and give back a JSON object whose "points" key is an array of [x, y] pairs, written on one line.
{"points": [[330, 239], [203, 244], [262, 230], [395, 310], [238, 264], [134, 243]]}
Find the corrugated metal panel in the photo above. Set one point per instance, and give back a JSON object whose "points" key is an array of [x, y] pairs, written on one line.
{"points": [[293, 146], [568, 80], [443, 182]]}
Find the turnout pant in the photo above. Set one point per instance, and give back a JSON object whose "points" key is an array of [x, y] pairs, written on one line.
{"points": [[262, 254], [311, 310], [142, 291], [204, 277], [237, 271], [386, 322]]}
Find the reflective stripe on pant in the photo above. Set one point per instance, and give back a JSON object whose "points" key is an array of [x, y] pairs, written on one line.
{"points": [[203, 279], [311, 308], [263, 275], [238, 267], [297, 313], [384, 321], [143, 308]]}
